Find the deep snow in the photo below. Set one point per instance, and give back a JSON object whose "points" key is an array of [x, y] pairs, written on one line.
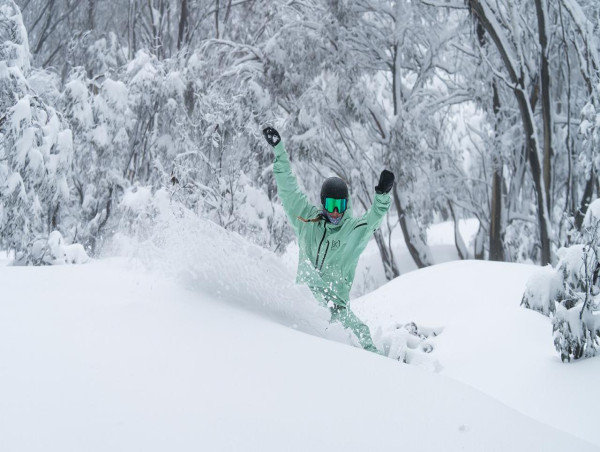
{"points": [[490, 342], [209, 345], [107, 356]]}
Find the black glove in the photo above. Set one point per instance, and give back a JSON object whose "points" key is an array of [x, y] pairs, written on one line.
{"points": [[272, 136], [386, 181]]}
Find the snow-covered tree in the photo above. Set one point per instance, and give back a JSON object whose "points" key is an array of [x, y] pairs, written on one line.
{"points": [[478, 107], [544, 61], [35, 150], [100, 118]]}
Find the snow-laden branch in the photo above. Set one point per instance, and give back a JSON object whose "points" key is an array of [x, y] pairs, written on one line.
{"points": [[585, 28], [493, 27]]}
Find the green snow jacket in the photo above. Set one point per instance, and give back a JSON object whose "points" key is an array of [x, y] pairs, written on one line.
{"points": [[328, 253]]}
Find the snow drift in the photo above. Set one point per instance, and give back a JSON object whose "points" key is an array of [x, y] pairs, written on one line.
{"points": [[106, 356], [199, 348]]}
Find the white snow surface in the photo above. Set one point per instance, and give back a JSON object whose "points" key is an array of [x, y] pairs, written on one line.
{"points": [[112, 355]]}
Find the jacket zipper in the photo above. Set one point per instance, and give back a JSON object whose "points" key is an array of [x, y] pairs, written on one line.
{"points": [[319, 250], [324, 256]]}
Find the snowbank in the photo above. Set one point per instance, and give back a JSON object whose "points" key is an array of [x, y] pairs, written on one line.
{"points": [[108, 357], [490, 342]]}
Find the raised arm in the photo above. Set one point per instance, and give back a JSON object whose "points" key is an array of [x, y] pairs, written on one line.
{"points": [[374, 216], [381, 203], [295, 202]]}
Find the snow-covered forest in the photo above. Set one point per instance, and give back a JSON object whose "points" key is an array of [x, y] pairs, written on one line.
{"points": [[131, 140], [483, 109]]}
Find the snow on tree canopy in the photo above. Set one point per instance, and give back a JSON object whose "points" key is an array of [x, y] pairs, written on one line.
{"points": [[144, 73], [116, 94], [35, 150], [14, 43], [21, 111], [592, 216], [76, 95], [175, 85]]}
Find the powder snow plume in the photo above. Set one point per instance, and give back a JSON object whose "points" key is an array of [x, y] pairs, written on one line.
{"points": [[174, 241]]}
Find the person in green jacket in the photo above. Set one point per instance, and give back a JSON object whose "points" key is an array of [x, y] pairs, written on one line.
{"points": [[329, 238]]}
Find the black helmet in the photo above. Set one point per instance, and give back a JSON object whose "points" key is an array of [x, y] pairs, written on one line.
{"points": [[334, 187]]}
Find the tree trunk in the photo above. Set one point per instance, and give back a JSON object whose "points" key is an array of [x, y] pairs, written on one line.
{"points": [[496, 243], [542, 12], [586, 199], [531, 142], [389, 266], [217, 19], [417, 247], [91, 13], [479, 244], [183, 25], [461, 248], [536, 172], [412, 236], [131, 27]]}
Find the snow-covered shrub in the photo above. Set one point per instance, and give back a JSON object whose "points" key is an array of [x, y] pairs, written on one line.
{"points": [[239, 207], [577, 330], [570, 293], [541, 290], [99, 115], [53, 251], [35, 149], [573, 268], [61, 253], [576, 324]]}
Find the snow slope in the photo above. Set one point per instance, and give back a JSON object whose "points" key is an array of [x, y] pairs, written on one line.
{"points": [[107, 356], [205, 347], [491, 343]]}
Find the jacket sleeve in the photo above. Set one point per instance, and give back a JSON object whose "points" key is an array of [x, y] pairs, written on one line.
{"points": [[295, 202], [374, 216]]}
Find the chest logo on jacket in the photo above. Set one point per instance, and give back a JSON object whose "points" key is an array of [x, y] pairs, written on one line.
{"points": [[335, 244]]}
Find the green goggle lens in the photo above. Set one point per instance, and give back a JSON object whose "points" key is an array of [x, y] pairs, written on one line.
{"points": [[332, 203]]}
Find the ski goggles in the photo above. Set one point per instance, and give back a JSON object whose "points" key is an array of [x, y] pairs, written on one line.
{"points": [[332, 203]]}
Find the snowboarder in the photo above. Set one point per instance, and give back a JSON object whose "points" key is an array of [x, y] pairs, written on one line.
{"points": [[329, 238]]}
